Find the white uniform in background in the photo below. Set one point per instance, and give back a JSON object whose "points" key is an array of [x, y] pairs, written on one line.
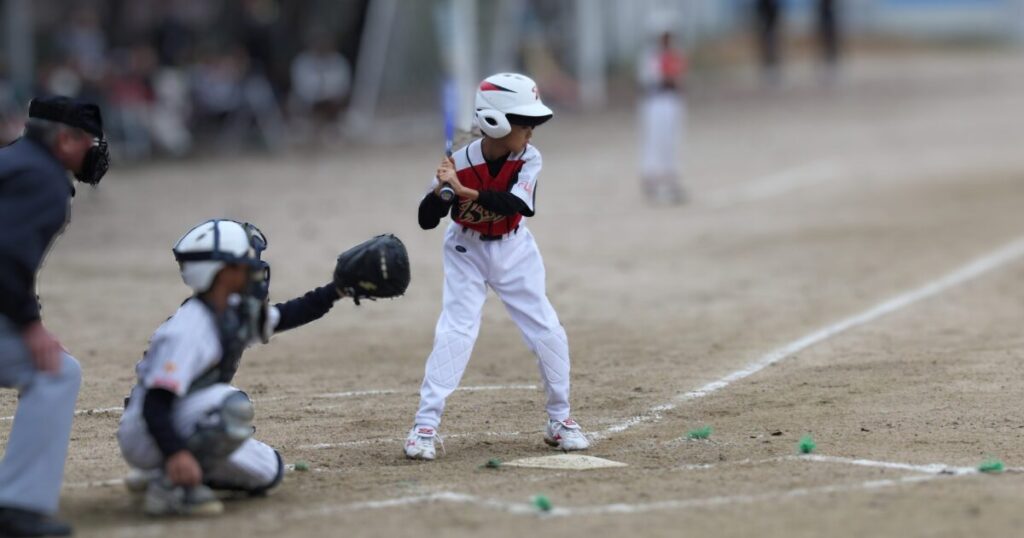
{"points": [[662, 120]]}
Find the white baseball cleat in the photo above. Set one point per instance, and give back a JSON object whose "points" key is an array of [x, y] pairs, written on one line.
{"points": [[566, 435], [165, 499], [419, 445]]}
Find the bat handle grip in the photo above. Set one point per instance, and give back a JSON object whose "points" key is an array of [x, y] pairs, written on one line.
{"points": [[447, 193]]}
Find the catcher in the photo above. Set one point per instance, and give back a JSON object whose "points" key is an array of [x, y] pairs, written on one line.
{"points": [[186, 430]]}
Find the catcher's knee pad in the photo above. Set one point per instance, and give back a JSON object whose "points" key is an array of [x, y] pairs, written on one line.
{"points": [[223, 430]]}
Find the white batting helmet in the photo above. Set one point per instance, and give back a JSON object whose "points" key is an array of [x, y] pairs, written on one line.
{"points": [[508, 98], [207, 248]]}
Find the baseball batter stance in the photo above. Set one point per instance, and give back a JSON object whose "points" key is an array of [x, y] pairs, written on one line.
{"points": [[487, 245], [185, 426]]}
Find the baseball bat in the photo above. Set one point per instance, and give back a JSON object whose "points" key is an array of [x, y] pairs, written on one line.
{"points": [[447, 193]]}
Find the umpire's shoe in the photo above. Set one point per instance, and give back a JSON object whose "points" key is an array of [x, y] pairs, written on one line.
{"points": [[17, 522]]}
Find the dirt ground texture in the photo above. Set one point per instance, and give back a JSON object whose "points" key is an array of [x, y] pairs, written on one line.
{"points": [[809, 205]]}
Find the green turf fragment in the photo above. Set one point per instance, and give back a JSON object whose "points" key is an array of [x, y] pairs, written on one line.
{"points": [[301, 466], [542, 502], [492, 463], [993, 466], [806, 445], [703, 432]]}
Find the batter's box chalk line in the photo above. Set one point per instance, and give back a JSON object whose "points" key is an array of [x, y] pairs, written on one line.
{"points": [[922, 473], [347, 394]]}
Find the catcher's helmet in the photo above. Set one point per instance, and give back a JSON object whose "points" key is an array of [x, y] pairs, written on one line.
{"points": [[508, 98], [207, 248]]}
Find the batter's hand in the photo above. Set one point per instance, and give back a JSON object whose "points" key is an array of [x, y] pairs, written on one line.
{"points": [[45, 348], [183, 469], [446, 175]]}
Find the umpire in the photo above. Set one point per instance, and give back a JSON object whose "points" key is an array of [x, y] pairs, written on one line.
{"points": [[62, 135]]}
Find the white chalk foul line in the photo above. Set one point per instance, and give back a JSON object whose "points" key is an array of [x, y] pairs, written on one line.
{"points": [[378, 392], [388, 440], [349, 394], [528, 509], [930, 468], [80, 412], [775, 184], [1009, 252]]}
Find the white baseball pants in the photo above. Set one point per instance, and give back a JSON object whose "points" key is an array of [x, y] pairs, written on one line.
{"points": [[662, 120], [253, 466], [513, 268]]}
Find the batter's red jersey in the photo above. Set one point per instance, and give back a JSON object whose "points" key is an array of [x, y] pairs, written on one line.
{"points": [[518, 175]]}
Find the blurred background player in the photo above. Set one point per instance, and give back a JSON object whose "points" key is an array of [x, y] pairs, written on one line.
{"points": [[321, 81], [61, 135], [829, 37], [767, 15], [184, 426], [488, 245], [660, 71]]}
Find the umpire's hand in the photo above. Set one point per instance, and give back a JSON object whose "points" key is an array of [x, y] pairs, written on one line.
{"points": [[45, 348]]}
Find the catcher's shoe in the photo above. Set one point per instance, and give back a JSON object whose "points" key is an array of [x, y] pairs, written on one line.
{"points": [[138, 480], [166, 499], [566, 435], [419, 445]]}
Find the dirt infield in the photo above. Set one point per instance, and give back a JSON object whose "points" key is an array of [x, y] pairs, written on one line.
{"points": [[822, 275]]}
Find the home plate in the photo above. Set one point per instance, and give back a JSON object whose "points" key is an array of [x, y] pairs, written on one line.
{"points": [[568, 462]]}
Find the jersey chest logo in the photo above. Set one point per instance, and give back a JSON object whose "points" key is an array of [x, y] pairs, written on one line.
{"points": [[471, 212]]}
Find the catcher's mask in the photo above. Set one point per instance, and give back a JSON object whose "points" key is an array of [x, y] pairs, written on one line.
{"points": [[203, 252], [96, 162]]}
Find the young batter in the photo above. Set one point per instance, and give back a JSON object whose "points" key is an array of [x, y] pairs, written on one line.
{"points": [[488, 245], [184, 426]]}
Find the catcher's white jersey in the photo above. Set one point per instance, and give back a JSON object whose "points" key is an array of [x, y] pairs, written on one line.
{"points": [[181, 350]]}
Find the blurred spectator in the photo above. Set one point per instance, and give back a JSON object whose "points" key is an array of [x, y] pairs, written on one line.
{"points": [[321, 81], [12, 118], [169, 121], [829, 36], [131, 98], [173, 38], [84, 44], [230, 98], [174, 73]]}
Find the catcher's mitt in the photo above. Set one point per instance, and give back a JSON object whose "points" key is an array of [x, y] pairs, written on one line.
{"points": [[376, 268]]}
